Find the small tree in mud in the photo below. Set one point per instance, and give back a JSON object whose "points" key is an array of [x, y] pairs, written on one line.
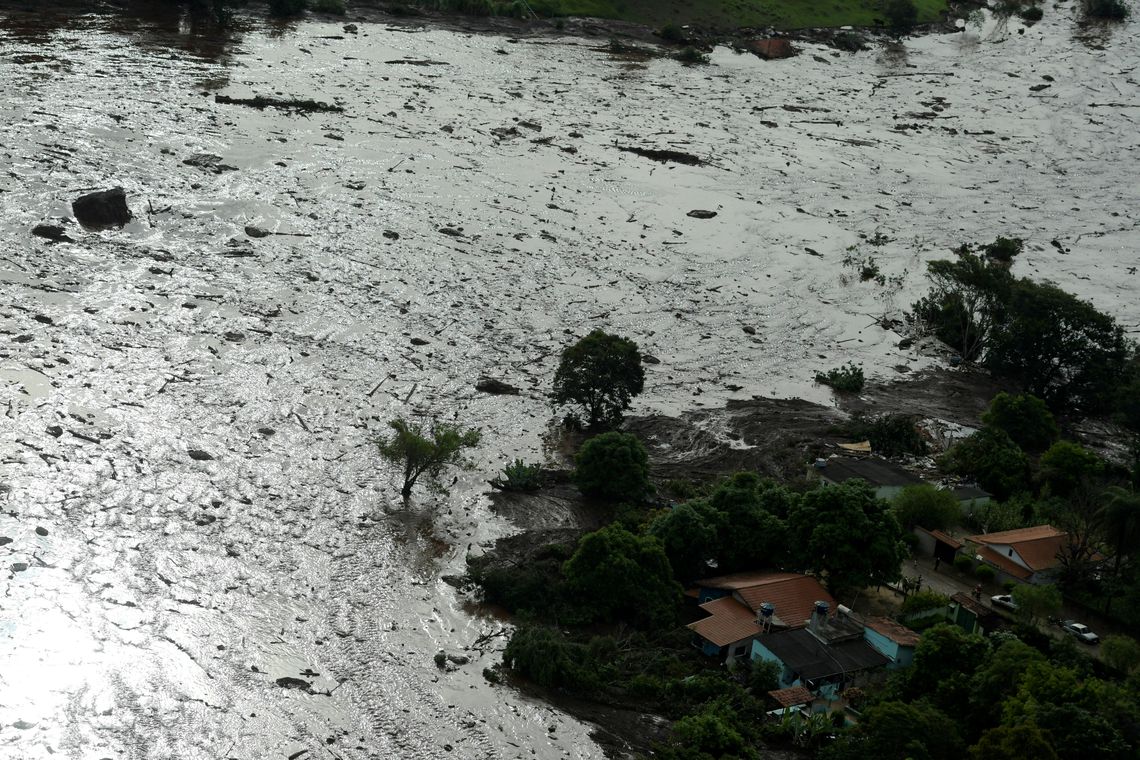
{"points": [[422, 451], [601, 374]]}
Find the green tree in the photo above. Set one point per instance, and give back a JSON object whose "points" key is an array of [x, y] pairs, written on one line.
{"points": [[991, 457], [1121, 652], [616, 575], [688, 534], [1021, 742], [1034, 603], [895, 730], [613, 466], [965, 302], [601, 374], [927, 506], [749, 535], [546, 657], [945, 660], [998, 679], [1059, 348], [848, 535], [1067, 466], [1025, 419], [711, 733], [901, 16], [1120, 521], [425, 452]]}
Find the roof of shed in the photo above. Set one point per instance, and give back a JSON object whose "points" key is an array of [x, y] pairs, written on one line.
{"points": [[896, 632], [876, 471], [790, 697]]}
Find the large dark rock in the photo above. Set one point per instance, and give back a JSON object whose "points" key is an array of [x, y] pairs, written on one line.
{"points": [[53, 232], [497, 387], [102, 209]]}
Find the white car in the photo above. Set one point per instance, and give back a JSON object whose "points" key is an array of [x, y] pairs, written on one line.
{"points": [[1004, 600], [1081, 631]]}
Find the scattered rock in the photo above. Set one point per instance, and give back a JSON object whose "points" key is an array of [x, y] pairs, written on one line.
{"points": [[769, 124], [491, 676], [699, 213], [649, 359], [256, 232], [289, 682], [102, 209], [41, 531], [450, 231], [391, 234], [350, 29], [199, 456], [233, 336], [288, 104], [906, 343], [19, 567], [531, 125], [419, 342], [664, 156], [55, 431], [4, 540], [52, 232], [496, 387], [44, 319], [750, 329], [266, 431], [458, 659]]}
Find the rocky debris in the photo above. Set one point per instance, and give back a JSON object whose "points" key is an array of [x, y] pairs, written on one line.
{"points": [[256, 232], [458, 659], [495, 387], [391, 234], [41, 531], [505, 133], [261, 102], [4, 540], [749, 329], [773, 48], [200, 456], [19, 567], [55, 431], [53, 232], [102, 209], [289, 682], [209, 162], [417, 62], [237, 249], [664, 156], [420, 342], [234, 336], [350, 29], [699, 213], [452, 231]]}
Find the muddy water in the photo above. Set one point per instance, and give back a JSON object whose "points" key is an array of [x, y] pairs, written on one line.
{"points": [[477, 202]]}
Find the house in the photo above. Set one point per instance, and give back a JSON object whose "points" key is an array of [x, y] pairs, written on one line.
{"points": [[791, 700], [744, 605], [887, 478], [825, 657], [1025, 555], [893, 640], [970, 498], [971, 615]]}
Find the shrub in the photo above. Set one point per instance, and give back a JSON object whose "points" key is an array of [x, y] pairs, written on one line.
{"points": [[891, 435], [672, 33], [845, 379], [519, 476], [691, 55], [922, 601], [613, 466], [601, 374], [901, 16], [963, 562], [1112, 10], [286, 7], [335, 7], [984, 573], [852, 42]]}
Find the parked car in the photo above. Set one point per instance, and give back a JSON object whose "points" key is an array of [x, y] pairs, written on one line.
{"points": [[1004, 600], [1080, 630]]}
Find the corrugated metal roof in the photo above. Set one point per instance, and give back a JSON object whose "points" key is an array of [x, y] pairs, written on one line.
{"points": [[729, 621], [876, 471]]}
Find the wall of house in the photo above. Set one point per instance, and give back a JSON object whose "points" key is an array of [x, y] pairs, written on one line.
{"points": [[1010, 553], [926, 542], [760, 652], [882, 644]]}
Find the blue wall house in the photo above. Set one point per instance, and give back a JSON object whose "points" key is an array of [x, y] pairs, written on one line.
{"points": [[893, 640]]}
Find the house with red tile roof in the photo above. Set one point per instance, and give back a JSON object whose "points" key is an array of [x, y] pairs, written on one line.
{"points": [[1027, 555], [744, 605]]}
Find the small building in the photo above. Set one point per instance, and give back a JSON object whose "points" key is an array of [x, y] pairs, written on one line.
{"points": [[744, 605], [891, 639], [887, 478], [970, 498], [971, 615], [1025, 555], [938, 544], [826, 657], [790, 700]]}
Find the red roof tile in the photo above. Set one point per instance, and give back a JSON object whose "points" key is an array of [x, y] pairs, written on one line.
{"points": [[729, 621], [796, 695], [896, 632], [1003, 563], [792, 594]]}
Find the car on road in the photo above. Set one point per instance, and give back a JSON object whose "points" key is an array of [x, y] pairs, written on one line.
{"points": [[1080, 630], [1004, 600]]}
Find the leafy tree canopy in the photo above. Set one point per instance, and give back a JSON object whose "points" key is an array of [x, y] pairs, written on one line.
{"points": [[848, 535], [420, 451], [600, 374], [1067, 466], [991, 457], [927, 506], [1025, 419], [624, 577], [613, 466]]}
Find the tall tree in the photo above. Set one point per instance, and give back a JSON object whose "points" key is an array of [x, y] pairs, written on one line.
{"points": [[847, 535], [423, 451], [600, 374]]}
